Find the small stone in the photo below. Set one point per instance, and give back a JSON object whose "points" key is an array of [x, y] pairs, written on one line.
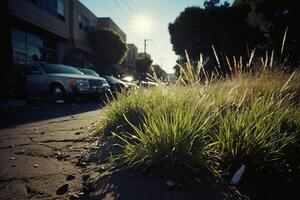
{"points": [[36, 166], [198, 180], [85, 177], [74, 197], [77, 133], [170, 183], [70, 177], [13, 158], [62, 189]]}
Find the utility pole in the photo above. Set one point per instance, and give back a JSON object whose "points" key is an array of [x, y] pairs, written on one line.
{"points": [[145, 45], [161, 62]]}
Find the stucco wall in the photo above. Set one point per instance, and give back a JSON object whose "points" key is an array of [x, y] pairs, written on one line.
{"points": [[31, 13]]}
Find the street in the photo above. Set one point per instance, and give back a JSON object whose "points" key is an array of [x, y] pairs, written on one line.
{"points": [[42, 150]]}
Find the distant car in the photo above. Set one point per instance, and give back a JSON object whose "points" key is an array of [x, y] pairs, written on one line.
{"points": [[147, 83], [60, 81], [87, 71], [104, 87], [116, 85]]}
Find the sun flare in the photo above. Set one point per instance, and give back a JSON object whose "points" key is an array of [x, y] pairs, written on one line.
{"points": [[142, 23]]}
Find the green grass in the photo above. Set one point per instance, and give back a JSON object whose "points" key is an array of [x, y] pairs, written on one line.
{"points": [[211, 129]]}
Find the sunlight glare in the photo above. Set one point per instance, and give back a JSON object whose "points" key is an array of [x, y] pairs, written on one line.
{"points": [[142, 23]]}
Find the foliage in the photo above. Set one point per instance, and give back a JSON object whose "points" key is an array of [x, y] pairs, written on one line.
{"points": [[143, 65], [159, 72], [207, 129], [109, 48], [223, 27], [272, 17]]}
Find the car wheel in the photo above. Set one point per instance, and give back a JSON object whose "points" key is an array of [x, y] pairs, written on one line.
{"points": [[58, 94]]}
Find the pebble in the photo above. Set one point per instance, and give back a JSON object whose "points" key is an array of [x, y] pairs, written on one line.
{"points": [[70, 177], [198, 180], [36, 166], [62, 189], [170, 183]]}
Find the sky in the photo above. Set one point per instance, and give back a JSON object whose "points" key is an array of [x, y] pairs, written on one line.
{"points": [[145, 19]]}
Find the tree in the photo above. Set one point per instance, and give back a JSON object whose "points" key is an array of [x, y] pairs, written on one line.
{"points": [[143, 65], [159, 72], [272, 17], [196, 29], [109, 49], [211, 3]]}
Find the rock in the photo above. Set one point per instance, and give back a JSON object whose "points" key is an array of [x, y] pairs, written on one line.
{"points": [[70, 177], [85, 177], [62, 189], [74, 197], [238, 175], [36, 166], [170, 183], [198, 180], [13, 158]]}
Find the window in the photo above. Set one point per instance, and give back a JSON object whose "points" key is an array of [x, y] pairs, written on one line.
{"points": [[84, 23], [92, 26], [61, 9], [18, 34], [37, 2], [80, 21], [54, 7], [31, 70], [50, 6], [28, 48]]}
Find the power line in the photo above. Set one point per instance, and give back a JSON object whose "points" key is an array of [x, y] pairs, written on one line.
{"points": [[129, 7], [121, 8]]}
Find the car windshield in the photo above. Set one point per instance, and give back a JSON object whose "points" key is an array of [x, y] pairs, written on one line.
{"points": [[89, 72], [112, 79], [60, 69]]}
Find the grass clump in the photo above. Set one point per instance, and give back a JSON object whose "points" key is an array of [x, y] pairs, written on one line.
{"points": [[171, 134], [256, 135], [202, 130]]}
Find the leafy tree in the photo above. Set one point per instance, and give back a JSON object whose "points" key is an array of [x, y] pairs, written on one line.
{"points": [[159, 72], [197, 29], [211, 3], [109, 49], [273, 17], [143, 65]]}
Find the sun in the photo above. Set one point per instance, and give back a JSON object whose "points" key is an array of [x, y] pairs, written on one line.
{"points": [[142, 23]]}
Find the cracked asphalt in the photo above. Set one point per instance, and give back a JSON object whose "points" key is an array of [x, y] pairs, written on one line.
{"points": [[42, 150]]}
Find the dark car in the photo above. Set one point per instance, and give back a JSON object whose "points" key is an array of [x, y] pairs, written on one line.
{"points": [[116, 85], [60, 81], [104, 88]]}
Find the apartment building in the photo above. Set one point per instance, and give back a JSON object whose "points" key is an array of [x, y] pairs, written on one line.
{"points": [[53, 31]]}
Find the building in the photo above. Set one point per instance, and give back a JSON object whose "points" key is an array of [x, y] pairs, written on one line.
{"points": [[108, 23], [53, 31], [131, 56]]}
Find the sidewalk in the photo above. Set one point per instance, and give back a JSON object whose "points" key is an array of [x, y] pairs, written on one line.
{"points": [[45, 159]]}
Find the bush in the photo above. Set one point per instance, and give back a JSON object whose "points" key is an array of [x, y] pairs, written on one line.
{"points": [[210, 129]]}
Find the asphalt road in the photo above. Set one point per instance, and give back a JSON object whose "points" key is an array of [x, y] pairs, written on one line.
{"points": [[43, 148]]}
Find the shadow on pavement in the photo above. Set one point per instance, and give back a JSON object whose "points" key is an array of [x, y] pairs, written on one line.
{"points": [[39, 112]]}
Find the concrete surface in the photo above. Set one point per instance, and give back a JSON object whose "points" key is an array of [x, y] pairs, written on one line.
{"points": [[43, 149]]}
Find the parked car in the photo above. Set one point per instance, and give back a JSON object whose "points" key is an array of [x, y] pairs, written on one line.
{"points": [[104, 88], [147, 83], [60, 81], [116, 85], [89, 72]]}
